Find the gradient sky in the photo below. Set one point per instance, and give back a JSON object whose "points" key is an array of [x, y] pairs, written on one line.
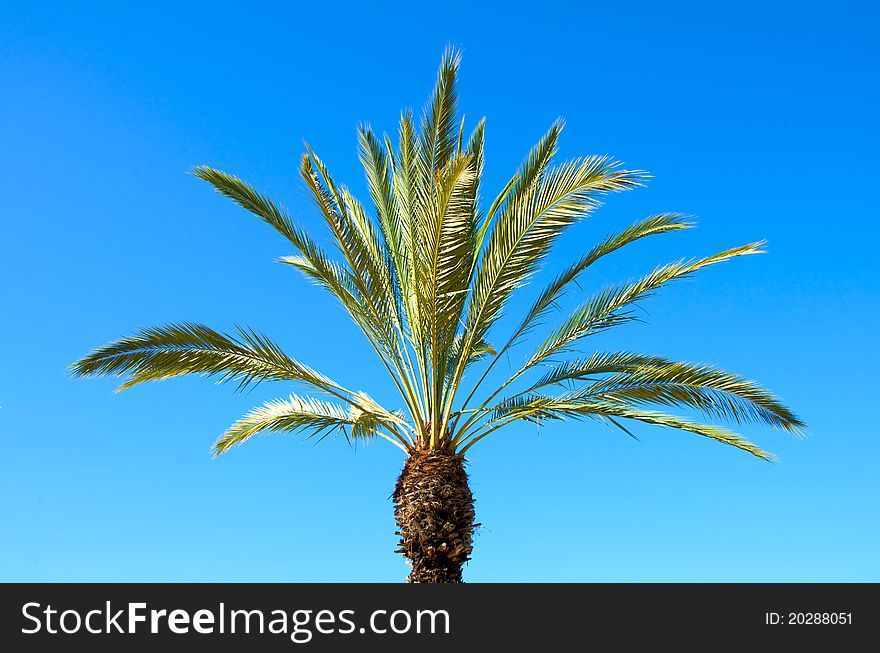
{"points": [[761, 121]]}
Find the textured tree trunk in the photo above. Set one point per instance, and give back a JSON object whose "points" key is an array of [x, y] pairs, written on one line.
{"points": [[434, 509]]}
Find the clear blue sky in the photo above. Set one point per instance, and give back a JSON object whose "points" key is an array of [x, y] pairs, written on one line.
{"points": [[760, 120]]}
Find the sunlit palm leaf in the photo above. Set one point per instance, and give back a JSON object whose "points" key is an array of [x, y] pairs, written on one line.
{"points": [[307, 414], [178, 349], [722, 435], [715, 393], [626, 377], [310, 259], [540, 408], [610, 307], [656, 224], [439, 127], [447, 239], [378, 165]]}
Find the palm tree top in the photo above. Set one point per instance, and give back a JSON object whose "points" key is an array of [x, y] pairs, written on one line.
{"points": [[427, 272]]}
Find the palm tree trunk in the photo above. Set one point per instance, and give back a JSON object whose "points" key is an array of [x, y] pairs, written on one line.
{"points": [[434, 509]]}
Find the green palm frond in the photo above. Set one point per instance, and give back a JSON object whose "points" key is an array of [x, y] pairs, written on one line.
{"points": [[378, 165], [722, 435], [439, 127], [657, 224], [475, 150], [173, 350], [596, 365], [447, 236], [257, 203], [639, 379], [565, 374], [716, 393], [311, 259], [539, 408], [525, 181], [406, 182], [610, 307], [307, 414], [356, 238]]}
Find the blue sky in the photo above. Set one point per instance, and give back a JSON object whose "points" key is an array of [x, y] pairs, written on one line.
{"points": [[760, 121]]}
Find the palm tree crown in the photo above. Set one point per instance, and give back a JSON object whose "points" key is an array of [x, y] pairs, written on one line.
{"points": [[428, 274]]}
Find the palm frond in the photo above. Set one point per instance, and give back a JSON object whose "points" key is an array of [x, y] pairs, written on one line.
{"points": [[406, 180], [656, 224], [355, 236], [306, 414], [368, 272], [378, 165], [596, 365], [446, 237], [257, 203], [311, 259], [722, 435], [439, 127], [475, 149], [641, 379], [179, 349], [541, 205], [540, 408], [609, 307], [715, 393]]}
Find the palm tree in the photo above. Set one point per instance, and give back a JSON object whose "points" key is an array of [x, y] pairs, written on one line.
{"points": [[427, 278]]}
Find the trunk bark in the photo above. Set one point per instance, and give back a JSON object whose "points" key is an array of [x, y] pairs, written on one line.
{"points": [[434, 509]]}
